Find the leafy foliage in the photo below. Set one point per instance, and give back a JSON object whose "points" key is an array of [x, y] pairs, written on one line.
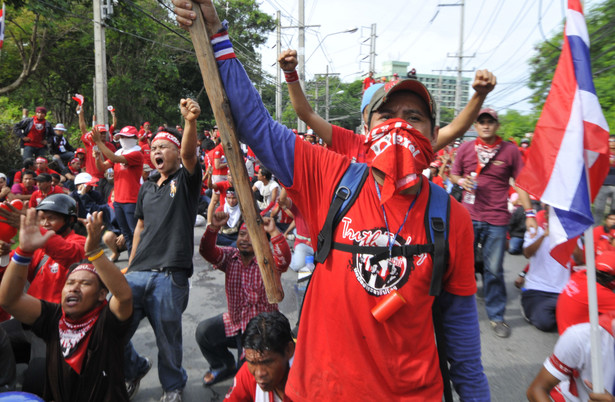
{"points": [[601, 27], [150, 60]]}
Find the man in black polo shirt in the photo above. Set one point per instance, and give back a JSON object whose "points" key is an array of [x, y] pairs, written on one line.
{"points": [[161, 259]]}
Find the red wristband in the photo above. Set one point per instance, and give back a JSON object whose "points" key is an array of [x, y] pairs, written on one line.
{"points": [[22, 253], [291, 76]]}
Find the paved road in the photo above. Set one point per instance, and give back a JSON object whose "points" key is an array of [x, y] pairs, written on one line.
{"points": [[510, 363]]}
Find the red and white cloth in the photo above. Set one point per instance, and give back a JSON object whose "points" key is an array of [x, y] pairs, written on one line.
{"points": [[571, 362]]}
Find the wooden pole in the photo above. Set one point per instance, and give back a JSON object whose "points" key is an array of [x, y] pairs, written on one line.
{"points": [[224, 119]]}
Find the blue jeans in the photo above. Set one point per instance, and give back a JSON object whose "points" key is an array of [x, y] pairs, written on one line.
{"points": [[539, 307], [62, 158], [32, 152], [162, 297], [515, 245], [125, 217], [493, 241]]}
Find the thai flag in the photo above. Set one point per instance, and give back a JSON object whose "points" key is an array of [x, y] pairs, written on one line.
{"points": [[569, 157], [79, 99], [2, 24]]}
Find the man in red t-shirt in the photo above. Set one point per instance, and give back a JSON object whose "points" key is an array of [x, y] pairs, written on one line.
{"points": [[368, 81], [483, 168], [24, 190], [572, 304], [220, 166], [603, 238], [45, 189], [88, 142], [127, 163], [34, 133], [269, 349], [41, 164]]}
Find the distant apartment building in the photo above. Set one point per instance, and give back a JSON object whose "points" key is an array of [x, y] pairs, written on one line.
{"points": [[442, 87]]}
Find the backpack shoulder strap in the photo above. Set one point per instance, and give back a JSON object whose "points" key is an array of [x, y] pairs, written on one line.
{"points": [[436, 227], [346, 193]]}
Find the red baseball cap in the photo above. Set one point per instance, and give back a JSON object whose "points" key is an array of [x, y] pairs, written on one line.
{"points": [[490, 112], [101, 127], [128, 131], [80, 151]]}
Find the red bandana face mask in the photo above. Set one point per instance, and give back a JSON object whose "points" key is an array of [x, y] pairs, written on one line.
{"points": [[75, 336], [401, 152]]}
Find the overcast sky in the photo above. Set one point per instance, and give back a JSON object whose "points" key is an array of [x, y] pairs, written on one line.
{"points": [[501, 36]]}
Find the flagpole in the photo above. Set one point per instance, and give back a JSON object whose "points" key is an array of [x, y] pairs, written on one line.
{"points": [[592, 297]]}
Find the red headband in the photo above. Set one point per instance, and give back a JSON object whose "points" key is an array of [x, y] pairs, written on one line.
{"points": [[85, 267], [168, 137]]}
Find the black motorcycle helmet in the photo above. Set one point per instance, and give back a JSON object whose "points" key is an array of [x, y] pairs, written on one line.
{"points": [[62, 204]]}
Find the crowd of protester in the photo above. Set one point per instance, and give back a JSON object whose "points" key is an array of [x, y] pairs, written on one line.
{"points": [[142, 191]]}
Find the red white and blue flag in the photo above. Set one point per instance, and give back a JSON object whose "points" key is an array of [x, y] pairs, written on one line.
{"points": [[569, 157], [2, 24]]}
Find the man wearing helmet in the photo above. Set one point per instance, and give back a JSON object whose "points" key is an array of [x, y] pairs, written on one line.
{"points": [[47, 270]]}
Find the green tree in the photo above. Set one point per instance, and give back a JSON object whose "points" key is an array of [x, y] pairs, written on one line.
{"points": [[602, 53], [150, 60], [515, 125]]}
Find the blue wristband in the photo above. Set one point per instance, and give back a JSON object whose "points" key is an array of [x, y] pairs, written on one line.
{"points": [[20, 259]]}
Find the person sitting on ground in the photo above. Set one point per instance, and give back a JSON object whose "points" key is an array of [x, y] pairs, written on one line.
{"points": [[603, 237], [572, 304], [566, 374], [88, 200], [227, 236], [45, 189], [60, 148], [5, 190], [24, 190], [84, 334], [266, 189], [42, 166], [245, 294], [28, 164], [269, 349], [73, 169], [545, 279], [516, 226]]}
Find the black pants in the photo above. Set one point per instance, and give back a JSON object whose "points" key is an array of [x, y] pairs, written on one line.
{"points": [[24, 347], [215, 344]]}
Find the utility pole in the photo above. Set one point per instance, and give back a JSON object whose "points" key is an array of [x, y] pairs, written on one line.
{"points": [[301, 57], [459, 57], [301, 53], [278, 81], [327, 94], [439, 96], [372, 49], [459, 62], [100, 80], [327, 74]]}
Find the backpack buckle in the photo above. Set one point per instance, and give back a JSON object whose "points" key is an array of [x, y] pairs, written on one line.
{"points": [[343, 192]]}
